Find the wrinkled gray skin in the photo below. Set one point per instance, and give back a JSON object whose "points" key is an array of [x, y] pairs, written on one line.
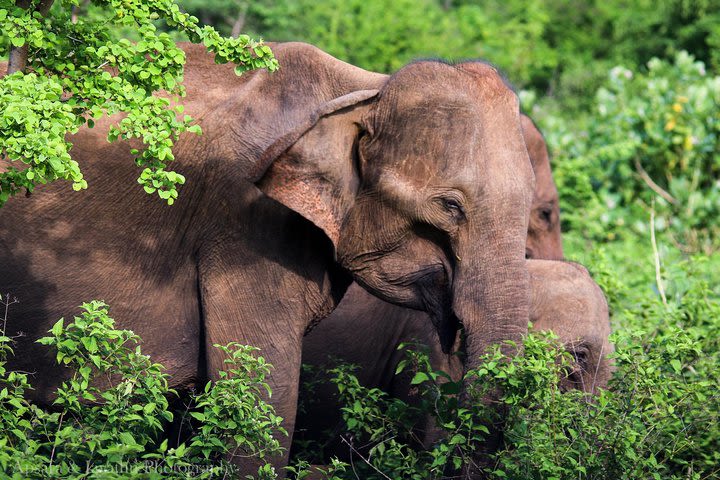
{"points": [[299, 178], [565, 300]]}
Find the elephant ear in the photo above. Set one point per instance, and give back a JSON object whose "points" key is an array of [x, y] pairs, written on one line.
{"points": [[312, 169]]}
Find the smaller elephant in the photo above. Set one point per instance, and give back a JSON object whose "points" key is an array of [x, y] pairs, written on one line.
{"points": [[564, 299]]}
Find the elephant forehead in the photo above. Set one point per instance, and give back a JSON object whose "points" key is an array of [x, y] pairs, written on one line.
{"points": [[468, 92], [420, 80], [442, 126], [430, 140]]}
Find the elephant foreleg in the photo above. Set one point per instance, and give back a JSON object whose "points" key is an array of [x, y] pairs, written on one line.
{"points": [[230, 317]]}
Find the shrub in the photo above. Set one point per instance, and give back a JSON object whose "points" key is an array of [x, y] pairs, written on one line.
{"points": [[655, 137], [659, 419], [110, 415]]}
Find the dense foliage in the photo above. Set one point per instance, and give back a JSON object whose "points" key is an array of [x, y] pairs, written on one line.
{"points": [[652, 136], [558, 47], [660, 417], [111, 412]]}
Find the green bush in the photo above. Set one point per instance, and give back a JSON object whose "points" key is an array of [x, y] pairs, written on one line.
{"points": [[658, 135], [108, 418], [659, 419], [654, 138], [382, 36], [559, 48]]}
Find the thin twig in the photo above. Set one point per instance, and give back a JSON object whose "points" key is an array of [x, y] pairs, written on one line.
{"points": [[654, 186], [240, 21], [6, 302], [658, 277], [52, 453], [363, 458], [182, 420], [597, 368]]}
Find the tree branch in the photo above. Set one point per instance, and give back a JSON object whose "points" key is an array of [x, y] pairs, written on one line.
{"points": [[654, 186], [240, 21], [18, 57], [344, 440], [656, 255], [17, 60]]}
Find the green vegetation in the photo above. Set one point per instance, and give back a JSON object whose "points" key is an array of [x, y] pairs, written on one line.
{"points": [[560, 48], [113, 408], [660, 417]]}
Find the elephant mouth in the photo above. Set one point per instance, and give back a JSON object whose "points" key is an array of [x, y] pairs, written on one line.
{"points": [[396, 276], [433, 295], [439, 309]]}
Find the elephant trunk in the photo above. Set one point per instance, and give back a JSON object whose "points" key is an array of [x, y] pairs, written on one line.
{"points": [[492, 299], [491, 284], [498, 310]]}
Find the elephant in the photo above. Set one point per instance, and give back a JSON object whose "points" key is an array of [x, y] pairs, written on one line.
{"points": [[359, 308], [564, 299], [303, 180], [544, 239]]}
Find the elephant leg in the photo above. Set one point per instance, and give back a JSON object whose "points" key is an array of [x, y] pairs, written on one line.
{"points": [[265, 274], [232, 312], [268, 302]]}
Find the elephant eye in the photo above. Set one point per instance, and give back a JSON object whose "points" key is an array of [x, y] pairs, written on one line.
{"points": [[454, 207], [546, 215], [581, 355]]}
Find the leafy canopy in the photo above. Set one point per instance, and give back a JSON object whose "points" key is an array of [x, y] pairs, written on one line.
{"points": [[77, 72]]}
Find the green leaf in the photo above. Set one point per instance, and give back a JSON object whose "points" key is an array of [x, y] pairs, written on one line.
{"points": [[90, 344], [419, 377], [677, 366], [180, 450], [57, 328]]}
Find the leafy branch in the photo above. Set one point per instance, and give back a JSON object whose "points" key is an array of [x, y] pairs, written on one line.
{"points": [[65, 74]]}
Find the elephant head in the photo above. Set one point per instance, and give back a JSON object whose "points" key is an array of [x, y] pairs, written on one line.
{"points": [[544, 240], [566, 300], [424, 187]]}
